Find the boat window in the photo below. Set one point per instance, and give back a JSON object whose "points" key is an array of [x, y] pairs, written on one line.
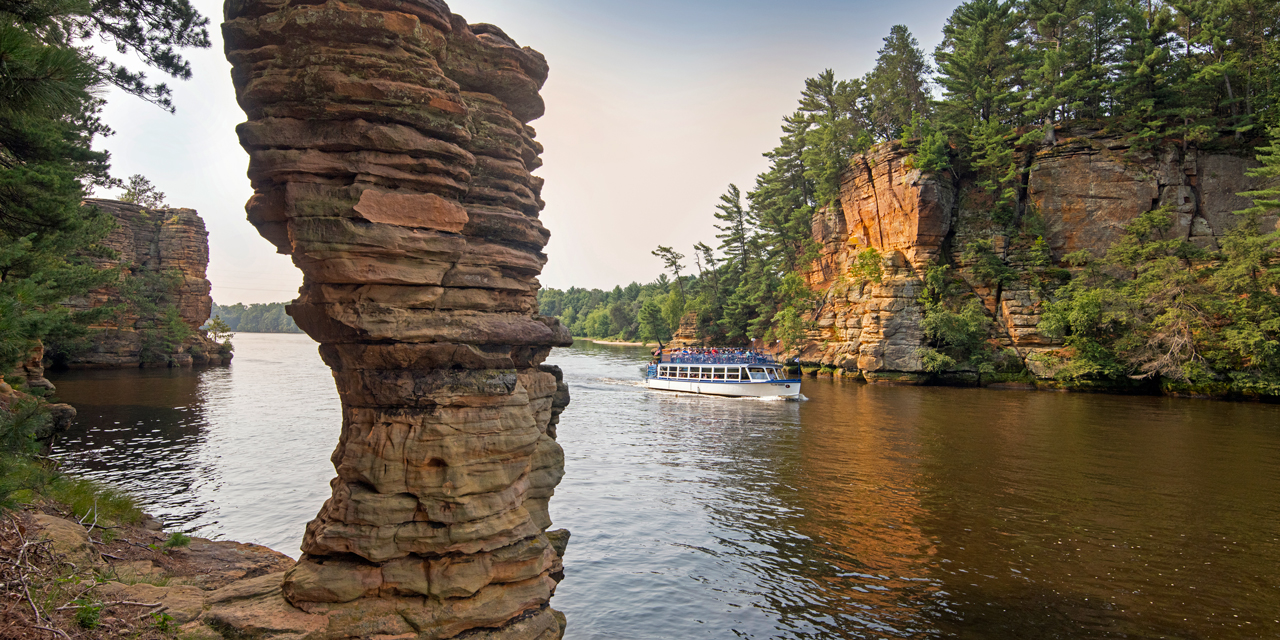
{"points": [[757, 373], [706, 373], [683, 372], [773, 373], [719, 373], [731, 373], [662, 372]]}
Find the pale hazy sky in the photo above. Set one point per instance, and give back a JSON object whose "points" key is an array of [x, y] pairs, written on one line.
{"points": [[652, 110]]}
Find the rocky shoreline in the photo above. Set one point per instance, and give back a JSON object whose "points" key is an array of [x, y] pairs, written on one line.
{"points": [[141, 584]]}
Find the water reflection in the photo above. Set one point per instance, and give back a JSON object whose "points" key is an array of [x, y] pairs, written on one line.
{"points": [[240, 452], [886, 512], [866, 512], [143, 431]]}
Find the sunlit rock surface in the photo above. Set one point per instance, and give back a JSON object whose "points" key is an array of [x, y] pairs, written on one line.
{"points": [[1084, 190], [390, 156]]}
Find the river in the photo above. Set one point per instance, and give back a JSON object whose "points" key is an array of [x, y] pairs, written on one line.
{"points": [[863, 512]]}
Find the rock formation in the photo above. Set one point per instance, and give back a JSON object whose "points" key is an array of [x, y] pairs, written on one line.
{"points": [[390, 156], [163, 254], [1085, 189]]}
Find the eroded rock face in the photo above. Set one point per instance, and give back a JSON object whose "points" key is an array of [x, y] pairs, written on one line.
{"points": [[1086, 189], [892, 207], [390, 157], [148, 243]]}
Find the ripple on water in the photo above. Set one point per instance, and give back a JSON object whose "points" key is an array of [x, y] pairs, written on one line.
{"points": [[866, 512]]}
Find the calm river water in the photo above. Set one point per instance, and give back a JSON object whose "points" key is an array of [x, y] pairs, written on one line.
{"points": [[865, 512]]}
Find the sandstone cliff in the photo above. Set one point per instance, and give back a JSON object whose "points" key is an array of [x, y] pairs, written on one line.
{"points": [[162, 255], [1085, 188], [390, 157]]}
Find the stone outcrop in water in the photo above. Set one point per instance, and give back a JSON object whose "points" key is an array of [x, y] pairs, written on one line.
{"points": [[1085, 189], [163, 255], [390, 156]]}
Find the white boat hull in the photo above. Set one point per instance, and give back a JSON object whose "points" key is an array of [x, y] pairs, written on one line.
{"points": [[772, 388]]}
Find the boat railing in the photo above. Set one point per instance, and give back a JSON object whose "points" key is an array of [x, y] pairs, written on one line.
{"points": [[717, 358]]}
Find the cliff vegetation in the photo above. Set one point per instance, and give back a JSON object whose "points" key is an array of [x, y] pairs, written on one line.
{"points": [[1075, 194]]}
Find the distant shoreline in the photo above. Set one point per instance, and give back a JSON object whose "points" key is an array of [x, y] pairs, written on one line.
{"points": [[619, 344]]}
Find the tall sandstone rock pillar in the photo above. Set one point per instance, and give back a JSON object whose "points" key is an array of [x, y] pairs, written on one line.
{"points": [[390, 157]]}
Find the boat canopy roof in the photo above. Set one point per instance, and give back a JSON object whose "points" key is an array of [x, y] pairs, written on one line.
{"points": [[717, 356]]}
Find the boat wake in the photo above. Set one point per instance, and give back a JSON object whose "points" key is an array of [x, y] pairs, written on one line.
{"points": [[799, 398]]}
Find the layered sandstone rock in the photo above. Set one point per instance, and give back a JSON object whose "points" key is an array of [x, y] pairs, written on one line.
{"points": [[893, 207], [390, 157], [1085, 189], [169, 250]]}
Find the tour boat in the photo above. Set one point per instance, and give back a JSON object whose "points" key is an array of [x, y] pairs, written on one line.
{"points": [[737, 375]]}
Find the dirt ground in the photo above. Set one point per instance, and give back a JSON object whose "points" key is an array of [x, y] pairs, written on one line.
{"points": [[71, 580]]}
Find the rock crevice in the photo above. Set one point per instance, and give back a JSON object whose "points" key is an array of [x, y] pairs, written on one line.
{"points": [[1085, 189]]}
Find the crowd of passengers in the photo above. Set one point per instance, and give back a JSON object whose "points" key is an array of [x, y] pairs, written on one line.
{"points": [[709, 355]]}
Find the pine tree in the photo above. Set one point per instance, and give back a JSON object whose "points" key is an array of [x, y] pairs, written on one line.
{"points": [[835, 132], [1072, 44], [980, 66], [898, 87], [736, 231], [139, 190], [49, 116], [652, 324]]}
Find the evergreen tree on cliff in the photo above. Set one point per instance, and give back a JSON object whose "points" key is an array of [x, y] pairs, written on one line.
{"points": [[980, 66], [837, 130], [48, 119], [736, 231], [898, 87], [1072, 44]]}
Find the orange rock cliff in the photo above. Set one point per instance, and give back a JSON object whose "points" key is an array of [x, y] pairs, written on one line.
{"points": [[1084, 189]]}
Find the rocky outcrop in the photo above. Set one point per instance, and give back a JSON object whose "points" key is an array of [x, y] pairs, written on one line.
{"points": [[1084, 189], [162, 255], [390, 157]]}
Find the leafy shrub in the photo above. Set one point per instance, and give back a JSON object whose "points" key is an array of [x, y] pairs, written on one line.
{"points": [[177, 539], [868, 265], [88, 613]]}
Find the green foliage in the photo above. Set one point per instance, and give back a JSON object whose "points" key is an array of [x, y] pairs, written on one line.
{"points": [[1154, 308], [1266, 201], [897, 88], [598, 324], [163, 622], [19, 426], [673, 309], [980, 65], [869, 265], [653, 326], [88, 612], [139, 190], [219, 331], [955, 327], [790, 328], [981, 258], [931, 151], [254, 318], [623, 317], [176, 540], [151, 297], [89, 500]]}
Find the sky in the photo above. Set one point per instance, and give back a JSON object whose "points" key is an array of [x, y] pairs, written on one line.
{"points": [[653, 109]]}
